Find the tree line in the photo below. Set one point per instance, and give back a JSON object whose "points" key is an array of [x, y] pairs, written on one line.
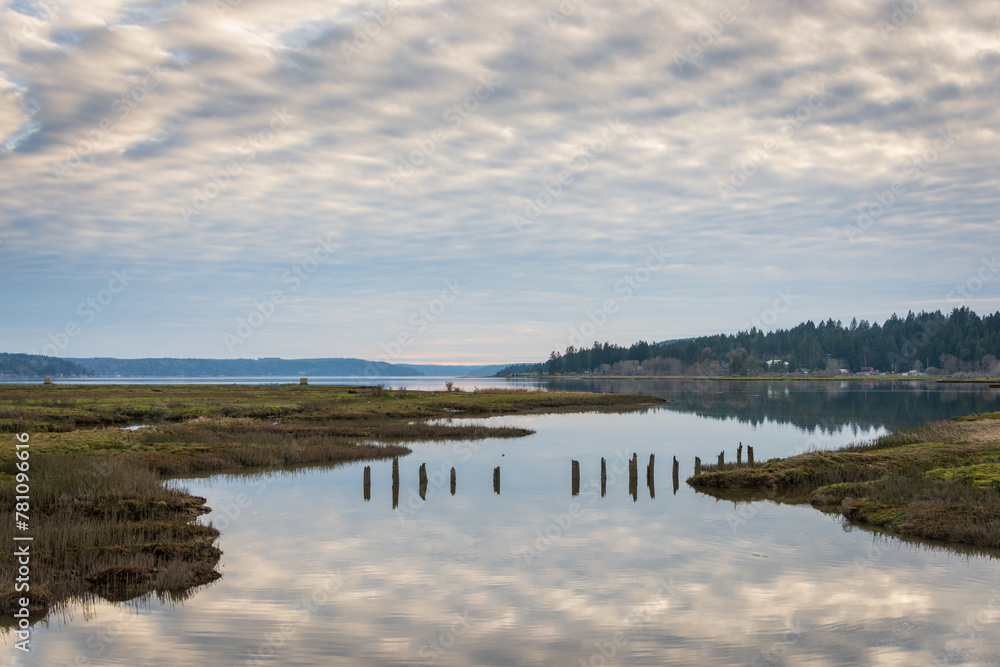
{"points": [[959, 343], [36, 365]]}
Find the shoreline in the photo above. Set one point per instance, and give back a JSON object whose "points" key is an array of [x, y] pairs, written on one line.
{"points": [[940, 481], [104, 525], [761, 378]]}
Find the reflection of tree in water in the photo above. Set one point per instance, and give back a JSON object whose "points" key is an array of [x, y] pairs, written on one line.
{"points": [[826, 405]]}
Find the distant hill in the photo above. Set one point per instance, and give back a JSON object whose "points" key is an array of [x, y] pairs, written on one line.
{"points": [[36, 365], [269, 367], [437, 370], [673, 340]]}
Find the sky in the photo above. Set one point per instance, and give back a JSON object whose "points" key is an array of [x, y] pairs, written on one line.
{"points": [[482, 182]]}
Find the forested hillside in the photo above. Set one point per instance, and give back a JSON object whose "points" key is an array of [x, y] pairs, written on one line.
{"points": [[955, 344], [36, 365]]}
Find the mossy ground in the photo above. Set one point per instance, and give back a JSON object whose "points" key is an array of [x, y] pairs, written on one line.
{"points": [[940, 481]]}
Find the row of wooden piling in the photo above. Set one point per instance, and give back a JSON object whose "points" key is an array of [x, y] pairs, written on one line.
{"points": [[633, 475], [422, 479], [722, 459]]}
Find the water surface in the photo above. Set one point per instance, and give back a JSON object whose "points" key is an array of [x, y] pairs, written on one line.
{"points": [[314, 574]]}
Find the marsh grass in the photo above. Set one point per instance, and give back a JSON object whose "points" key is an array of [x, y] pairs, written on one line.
{"points": [[940, 481], [106, 526]]}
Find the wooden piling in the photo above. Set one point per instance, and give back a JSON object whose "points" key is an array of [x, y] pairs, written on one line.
{"points": [[423, 481], [496, 480], [676, 476], [576, 477], [649, 469], [739, 454], [453, 481], [722, 459], [749, 455], [633, 477], [697, 465], [395, 482], [604, 477], [368, 483]]}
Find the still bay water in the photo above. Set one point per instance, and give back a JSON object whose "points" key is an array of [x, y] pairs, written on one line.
{"points": [[314, 574]]}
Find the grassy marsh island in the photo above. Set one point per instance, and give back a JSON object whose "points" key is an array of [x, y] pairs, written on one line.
{"points": [[940, 481], [104, 524]]}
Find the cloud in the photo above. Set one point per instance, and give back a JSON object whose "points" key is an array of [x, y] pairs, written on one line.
{"points": [[118, 116]]}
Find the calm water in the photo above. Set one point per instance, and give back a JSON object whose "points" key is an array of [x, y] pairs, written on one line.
{"points": [[314, 574]]}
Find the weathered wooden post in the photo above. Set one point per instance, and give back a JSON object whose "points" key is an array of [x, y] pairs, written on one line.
{"points": [[749, 455], [649, 469], [576, 477], [604, 477], [739, 454], [633, 477], [676, 475], [453, 481], [423, 481], [395, 482], [697, 465], [496, 480], [722, 459], [368, 483]]}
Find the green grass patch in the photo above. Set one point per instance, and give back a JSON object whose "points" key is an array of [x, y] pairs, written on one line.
{"points": [[940, 481]]}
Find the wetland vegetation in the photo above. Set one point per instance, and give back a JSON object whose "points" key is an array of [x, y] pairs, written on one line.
{"points": [[940, 481], [104, 524]]}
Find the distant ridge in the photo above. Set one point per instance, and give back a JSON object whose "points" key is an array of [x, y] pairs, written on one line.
{"points": [[264, 367]]}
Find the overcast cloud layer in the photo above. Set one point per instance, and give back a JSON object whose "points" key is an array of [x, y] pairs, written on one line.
{"points": [[300, 178]]}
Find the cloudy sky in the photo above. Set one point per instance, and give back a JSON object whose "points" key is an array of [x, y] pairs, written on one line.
{"points": [[485, 182]]}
